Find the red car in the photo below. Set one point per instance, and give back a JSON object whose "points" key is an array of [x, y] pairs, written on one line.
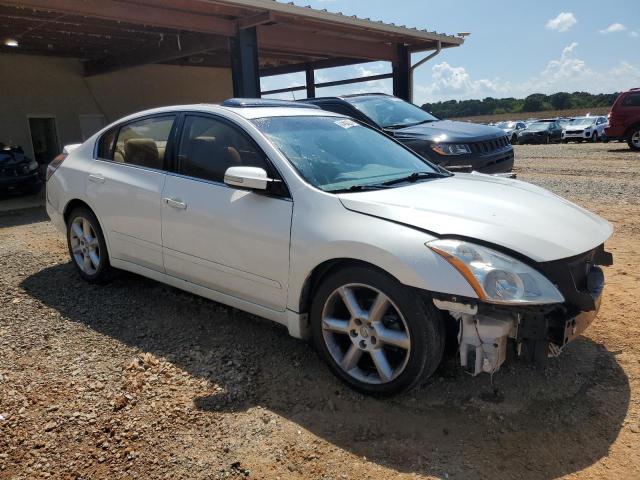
{"points": [[624, 118]]}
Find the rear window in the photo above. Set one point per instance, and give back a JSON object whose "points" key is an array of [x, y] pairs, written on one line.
{"points": [[144, 142], [631, 100]]}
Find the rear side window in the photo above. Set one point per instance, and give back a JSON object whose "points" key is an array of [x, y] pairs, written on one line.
{"points": [[106, 143], [209, 146], [631, 100], [144, 142]]}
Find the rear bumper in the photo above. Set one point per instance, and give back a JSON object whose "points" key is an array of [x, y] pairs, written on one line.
{"points": [[616, 131]]}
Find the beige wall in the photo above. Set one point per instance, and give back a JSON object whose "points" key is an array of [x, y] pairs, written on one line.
{"points": [[35, 85]]}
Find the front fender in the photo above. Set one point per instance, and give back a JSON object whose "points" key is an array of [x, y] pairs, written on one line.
{"points": [[397, 249]]}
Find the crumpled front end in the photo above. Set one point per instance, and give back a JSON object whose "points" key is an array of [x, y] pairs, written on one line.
{"points": [[486, 331]]}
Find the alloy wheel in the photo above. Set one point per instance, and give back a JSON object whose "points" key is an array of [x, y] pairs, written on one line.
{"points": [[85, 247], [365, 333]]}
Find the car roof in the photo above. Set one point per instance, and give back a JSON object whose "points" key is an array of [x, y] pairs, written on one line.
{"points": [[344, 97], [249, 111]]}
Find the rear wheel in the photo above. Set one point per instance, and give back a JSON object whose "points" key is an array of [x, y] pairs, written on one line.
{"points": [[87, 246], [378, 336], [634, 139]]}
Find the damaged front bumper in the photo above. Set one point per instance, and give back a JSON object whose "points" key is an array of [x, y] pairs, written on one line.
{"points": [[534, 333]]}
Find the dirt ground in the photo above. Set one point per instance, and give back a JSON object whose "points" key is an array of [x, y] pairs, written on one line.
{"points": [[138, 380]]}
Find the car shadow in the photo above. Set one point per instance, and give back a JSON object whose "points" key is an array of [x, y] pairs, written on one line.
{"points": [[624, 150], [533, 423], [27, 216]]}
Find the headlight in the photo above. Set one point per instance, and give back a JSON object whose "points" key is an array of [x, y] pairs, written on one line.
{"points": [[496, 277], [451, 148], [33, 165]]}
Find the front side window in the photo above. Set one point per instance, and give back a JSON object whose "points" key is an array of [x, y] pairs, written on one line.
{"points": [[390, 112], [144, 142], [335, 153], [210, 146]]}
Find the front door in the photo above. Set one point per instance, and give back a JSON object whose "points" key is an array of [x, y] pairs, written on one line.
{"points": [[125, 184], [233, 241]]}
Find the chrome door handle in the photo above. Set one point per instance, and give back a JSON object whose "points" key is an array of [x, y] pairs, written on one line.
{"points": [[172, 202], [96, 178]]}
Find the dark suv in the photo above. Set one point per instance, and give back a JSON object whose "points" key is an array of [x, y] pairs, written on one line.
{"points": [[457, 146], [624, 118]]}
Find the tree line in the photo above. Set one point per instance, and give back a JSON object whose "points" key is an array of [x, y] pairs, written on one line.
{"points": [[537, 102]]}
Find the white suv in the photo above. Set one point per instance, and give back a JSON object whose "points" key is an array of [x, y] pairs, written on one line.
{"points": [[336, 231], [585, 129]]}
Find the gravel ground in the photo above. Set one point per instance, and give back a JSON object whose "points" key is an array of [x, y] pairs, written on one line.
{"points": [[138, 380]]}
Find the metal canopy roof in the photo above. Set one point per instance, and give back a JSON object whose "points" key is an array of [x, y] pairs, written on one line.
{"points": [[114, 34]]}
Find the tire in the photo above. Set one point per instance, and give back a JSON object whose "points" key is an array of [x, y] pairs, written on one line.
{"points": [[87, 247], [514, 139], [547, 139], [384, 350], [634, 139], [594, 137]]}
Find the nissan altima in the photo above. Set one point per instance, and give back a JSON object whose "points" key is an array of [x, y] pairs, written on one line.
{"points": [[335, 230]]}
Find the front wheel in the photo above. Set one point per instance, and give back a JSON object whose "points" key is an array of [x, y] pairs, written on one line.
{"points": [[87, 246], [634, 139], [377, 335], [594, 137]]}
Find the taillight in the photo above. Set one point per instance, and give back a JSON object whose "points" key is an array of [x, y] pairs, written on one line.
{"points": [[54, 164]]}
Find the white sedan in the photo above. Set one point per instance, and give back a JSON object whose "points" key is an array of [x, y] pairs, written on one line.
{"points": [[336, 231]]}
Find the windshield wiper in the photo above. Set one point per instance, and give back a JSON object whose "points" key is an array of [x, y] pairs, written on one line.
{"points": [[360, 188], [415, 176], [405, 125]]}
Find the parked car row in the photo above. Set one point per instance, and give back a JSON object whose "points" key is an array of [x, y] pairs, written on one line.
{"points": [[550, 130], [622, 124]]}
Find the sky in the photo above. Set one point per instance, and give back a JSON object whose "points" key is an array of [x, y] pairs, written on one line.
{"points": [[515, 48]]}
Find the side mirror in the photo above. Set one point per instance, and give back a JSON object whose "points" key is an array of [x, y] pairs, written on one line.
{"points": [[248, 178]]}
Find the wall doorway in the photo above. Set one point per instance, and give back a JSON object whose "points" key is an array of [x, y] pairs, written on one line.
{"points": [[44, 138]]}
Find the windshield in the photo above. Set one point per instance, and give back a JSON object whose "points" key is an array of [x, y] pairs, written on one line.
{"points": [[390, 112], [336, 153], [583, 121], [538, 127]]}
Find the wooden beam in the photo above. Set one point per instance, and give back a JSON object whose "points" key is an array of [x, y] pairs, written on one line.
{"points": [[122, 11], [286, 39], [319, 64], [336, 83], [255, 20], [171, 48]]}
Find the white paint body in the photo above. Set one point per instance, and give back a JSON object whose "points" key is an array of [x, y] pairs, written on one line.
{"points": [[256, 252]]}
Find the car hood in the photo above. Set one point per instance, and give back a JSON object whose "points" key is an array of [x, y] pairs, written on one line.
{"points": [[448, 131], [509, 213]]}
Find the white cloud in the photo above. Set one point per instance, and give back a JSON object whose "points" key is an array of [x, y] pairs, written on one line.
{"points": [[634, 34], [614, 27], [563, 22], [566, 73]]}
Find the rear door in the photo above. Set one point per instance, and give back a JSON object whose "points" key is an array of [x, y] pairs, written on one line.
{"points": [[125, 187], [229, 240]]}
